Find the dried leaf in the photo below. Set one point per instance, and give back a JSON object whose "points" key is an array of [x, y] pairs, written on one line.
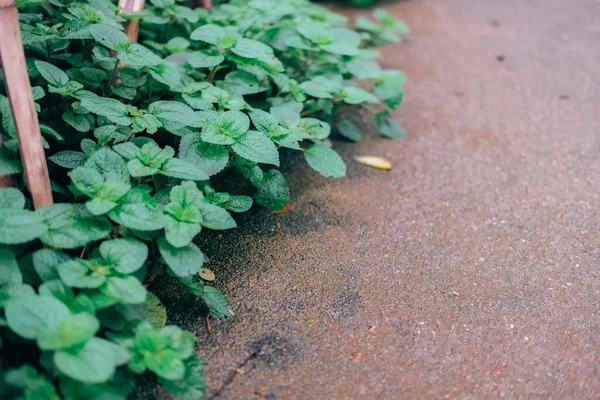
{"points": [[207, 274], [375, 162]]}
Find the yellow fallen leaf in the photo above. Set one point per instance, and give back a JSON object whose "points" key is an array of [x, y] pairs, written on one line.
{"points": [[375, 162], [207, 274]]}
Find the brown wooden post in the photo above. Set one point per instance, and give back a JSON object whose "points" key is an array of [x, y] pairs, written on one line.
{"points": [[132, 28], [20, 97]]}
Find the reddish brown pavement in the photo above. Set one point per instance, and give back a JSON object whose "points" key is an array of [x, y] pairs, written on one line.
{"points": [[470, 270]]}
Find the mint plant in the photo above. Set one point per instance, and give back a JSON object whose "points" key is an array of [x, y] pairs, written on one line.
{"points": [[149, 144]]}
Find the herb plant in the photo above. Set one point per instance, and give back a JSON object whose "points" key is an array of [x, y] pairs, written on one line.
{"points": [[143, 142]]}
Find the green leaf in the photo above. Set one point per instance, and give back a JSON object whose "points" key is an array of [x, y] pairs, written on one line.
{"points": [[226, 128], [94, 363], [45, 262], [256, 146], [315, 128], [29, 314], [216, 302], [181, 169], [54, 75], [166, 364], [174, 114], [151, 310], [389, 127], [180, 233], [9, 270], [210, 158], [215, 217], [73, 330], [78, 122], [364, 69], [349, 130], [273, 192], [76, 273], [193, 384], [109, 164], [321, 87], [108, 36], [127, 290], [237, 203], [325, 161], [389, 87], [127, 255], [11, 198], [136, 55], [355, 95], [183, 261], [249, 48], [209, 33], [138, 210], [112, 109], [344, 42], [69, 159], [20, 226], [201, 59], [70, 227], [8, 164]]}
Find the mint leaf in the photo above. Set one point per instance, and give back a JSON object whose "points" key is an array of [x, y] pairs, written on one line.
{"points": [[181, 169], [11, 198], [70, 227], [8, 164], [325, 161], [210, 158], [249, 48], [321, 87], [126, 290], [349, 130], [364, 69], [9, 272], [183, 261], [45, 262], [77, 273], [355, 95], [226, 128], [20, 226], [29, 314], [389, 87], [109, 164], [173, 114], [215, 217], [136, 55], [202, 59], [216, 302], [127, 255], [54, 75], [273, 191], [78, 122], [209, 33], [94, 363], [193, 384], [389, 127], [256, 146], [112, 109], [315, 128], [138, 210], [108, 36]]}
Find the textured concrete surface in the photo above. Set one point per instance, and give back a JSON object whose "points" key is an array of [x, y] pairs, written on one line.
{"points": [[472, 268]]}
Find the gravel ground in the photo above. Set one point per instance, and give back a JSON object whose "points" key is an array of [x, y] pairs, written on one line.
{"points": [[471, 269]]}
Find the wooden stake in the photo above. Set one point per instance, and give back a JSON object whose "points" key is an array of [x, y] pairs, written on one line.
{"points": [[132, 28], [20, 97]]}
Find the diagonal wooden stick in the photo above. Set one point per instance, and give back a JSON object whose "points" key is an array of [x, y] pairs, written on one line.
{"points": [[20, 97]]}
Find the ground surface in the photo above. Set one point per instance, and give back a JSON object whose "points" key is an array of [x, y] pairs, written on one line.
{"points": [[472, 268]]}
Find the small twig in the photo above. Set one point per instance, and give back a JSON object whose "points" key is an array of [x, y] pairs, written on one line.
{"points": [[113, 76], [83, 251], [208, 328], [233, 373]]}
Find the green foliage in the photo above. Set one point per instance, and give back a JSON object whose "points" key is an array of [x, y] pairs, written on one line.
{"points": [[145, 140]]}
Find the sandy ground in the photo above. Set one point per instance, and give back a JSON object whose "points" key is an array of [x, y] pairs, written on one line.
{"points": [[470, 270]]}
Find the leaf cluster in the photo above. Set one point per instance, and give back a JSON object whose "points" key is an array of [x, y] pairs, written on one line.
{"points": [[143, 141]]}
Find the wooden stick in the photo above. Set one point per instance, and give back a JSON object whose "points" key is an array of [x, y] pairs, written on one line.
{"points": [[132, 28], [20, 97]]}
